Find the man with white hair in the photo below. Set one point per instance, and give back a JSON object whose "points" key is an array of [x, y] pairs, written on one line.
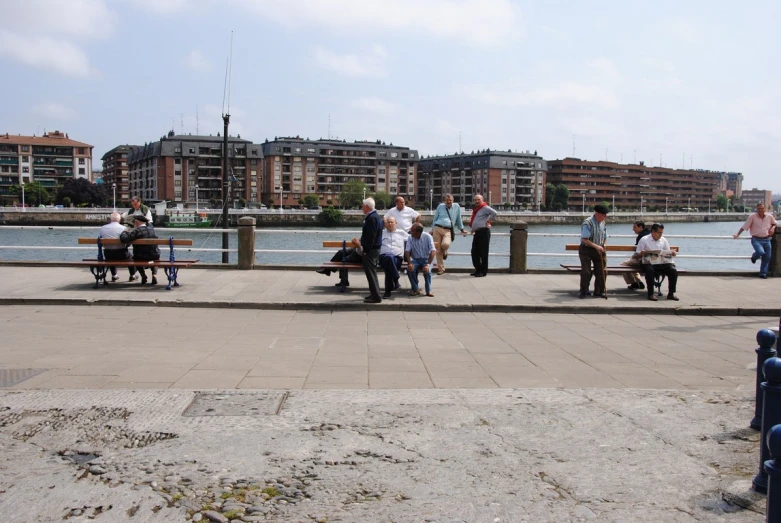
{"points": [[391, 255], [112, 230], [369, 246]]}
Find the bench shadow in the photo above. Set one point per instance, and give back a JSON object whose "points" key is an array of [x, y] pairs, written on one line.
{"points": [[116, 286]]}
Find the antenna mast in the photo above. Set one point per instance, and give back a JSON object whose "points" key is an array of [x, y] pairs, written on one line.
{"points": [[329, 126], [460, 148], [226, 184], [197, 121]]}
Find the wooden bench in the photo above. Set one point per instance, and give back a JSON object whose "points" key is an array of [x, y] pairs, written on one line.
{"points": [[619, 269], [343, 266], [99, 267]]}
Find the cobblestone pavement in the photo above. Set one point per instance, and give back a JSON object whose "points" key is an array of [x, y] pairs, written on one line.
{"points": [[544, 455]]}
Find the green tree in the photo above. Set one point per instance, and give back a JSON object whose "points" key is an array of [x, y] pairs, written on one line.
{"points": [[722, 202], [66, 202], [561, 195], [557, 206], [311, 201], [331, 217], [270, 203], [382, 199], [352, 194], [550, 191], [34, 194], [83, 192]]}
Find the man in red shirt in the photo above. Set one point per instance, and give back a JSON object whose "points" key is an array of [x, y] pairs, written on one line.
{"points": [[761, 227]]}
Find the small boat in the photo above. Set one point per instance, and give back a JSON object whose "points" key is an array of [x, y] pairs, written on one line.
{"points": [[188, 220]]}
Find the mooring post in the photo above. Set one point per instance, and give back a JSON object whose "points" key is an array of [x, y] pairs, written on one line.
{"points": [[766, 339], [519, 240], [773, 469], [771, 416], [246, 243]]}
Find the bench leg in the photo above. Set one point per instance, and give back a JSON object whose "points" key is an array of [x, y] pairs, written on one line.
{"points": [[658, 284], [100, 274]]}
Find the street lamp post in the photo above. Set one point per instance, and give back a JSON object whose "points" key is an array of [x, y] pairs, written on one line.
{"points": [[642, 204], [690, 205], [114, 188], [364, 195], [431, 199], [665, 206], [584, 203], [196, 198], [613, 207], [23, 208], [489, 198], [709, 200]]}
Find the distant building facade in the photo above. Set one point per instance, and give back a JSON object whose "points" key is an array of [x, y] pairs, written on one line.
{"points": [[501, 177], [116, 171], [179, 168], [635, 186], [296, 167], [735, 184], [752, 197], [49, 159]]}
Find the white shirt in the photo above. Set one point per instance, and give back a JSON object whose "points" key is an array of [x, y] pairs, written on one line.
{"points": [[393, 242], [135, 212], [647, 243], [404, 218], [112, 230]]}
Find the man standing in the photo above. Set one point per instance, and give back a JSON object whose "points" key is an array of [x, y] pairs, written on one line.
{"points": [[654, 249], [405, 216], [480, 223], [369, 246], [419, 253], [142, 230], [593, 234], [631, 278], [446, 219], [391, 255], [761, 227], [113, 230]]}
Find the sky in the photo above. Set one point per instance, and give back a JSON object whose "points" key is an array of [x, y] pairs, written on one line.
{"points": [[694, 83]]}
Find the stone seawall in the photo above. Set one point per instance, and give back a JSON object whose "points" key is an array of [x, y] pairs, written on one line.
{"points": [[97, 217]]}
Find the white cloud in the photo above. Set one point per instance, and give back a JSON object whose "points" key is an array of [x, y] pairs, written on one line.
{"points": [[55, 111], [161, 6], [562, 96], [197, 62], [371, 64], [683, 30], [604, 68], [45, 53], [484, 22], [374, 105]]}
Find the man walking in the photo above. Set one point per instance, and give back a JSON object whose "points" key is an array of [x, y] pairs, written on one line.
{"points": [[446, 219], [593, 234], [369, 246], [761, 227], [419, 254], [480, 223]]}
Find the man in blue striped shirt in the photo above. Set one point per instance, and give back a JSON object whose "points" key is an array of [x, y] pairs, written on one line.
{"points": [[419, 254]]}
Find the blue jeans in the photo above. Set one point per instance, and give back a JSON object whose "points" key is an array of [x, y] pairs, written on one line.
{"points": [[415, 266], [761, 250]]}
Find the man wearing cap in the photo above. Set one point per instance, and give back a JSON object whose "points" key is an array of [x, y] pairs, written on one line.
{"points": [[631, 278], [593, 235], [142, 230]]}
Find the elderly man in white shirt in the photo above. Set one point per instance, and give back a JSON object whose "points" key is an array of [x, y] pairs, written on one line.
{"points": [[405, 216], [112, 230], [656, 256], [391, 254]]}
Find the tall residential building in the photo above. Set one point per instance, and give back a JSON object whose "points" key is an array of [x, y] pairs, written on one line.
{"points": [[735, 184], [295, 167], [501, 177], [751, 198], [634, 186], [181, 168], [115, 171], [49, 159]]}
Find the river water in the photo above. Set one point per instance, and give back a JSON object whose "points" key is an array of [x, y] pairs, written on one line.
{"points": [[308, 239]]}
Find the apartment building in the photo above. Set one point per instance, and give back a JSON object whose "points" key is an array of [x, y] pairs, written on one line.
{"points": [[751, 198], [296, 167], [49, 159], [517, 178], [634, 186], [181, 168], [116, 171], [734, 185]]}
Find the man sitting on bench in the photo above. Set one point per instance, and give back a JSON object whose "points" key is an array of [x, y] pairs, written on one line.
{"points": [[391, 255], [657, 259], [349, 255], [113, 230], [142, 230]]}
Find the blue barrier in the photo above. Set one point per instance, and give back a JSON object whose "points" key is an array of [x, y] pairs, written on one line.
{"points": [[766, 339], [773, 470], [771, 416]]}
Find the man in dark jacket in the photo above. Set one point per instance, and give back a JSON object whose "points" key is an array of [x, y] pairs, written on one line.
{"points": [[369, 245], [142, 230], [631, 278]]}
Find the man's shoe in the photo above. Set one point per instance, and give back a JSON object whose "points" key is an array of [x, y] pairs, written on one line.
{"points": [[143, 280], [480, 275], [640, 285], [114, 278], [582, 295], [473, 273], [133, 277], [323, 271], [386, 295], [754, 258], [414, 293], [440, 272], [372, 300], [396, 285], [430, 294], [763, 276], [672, 296], [339, 284], [154, 280], [600, 295], [653, 297], [444, 256]]}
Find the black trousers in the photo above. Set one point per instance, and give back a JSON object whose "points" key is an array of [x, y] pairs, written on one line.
{"points": [[350, 256], [370, 260], [590, 256], [668, 269], [115, 255], [480, 243], [390, 265]]}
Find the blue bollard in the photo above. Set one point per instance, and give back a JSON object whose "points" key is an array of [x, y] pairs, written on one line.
{"points": [[773, 469], [771, 416], [766, 339]]}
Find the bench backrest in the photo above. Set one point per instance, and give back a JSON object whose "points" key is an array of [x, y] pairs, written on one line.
{"points": [[351, 245], [143, 241], [624, 248]]}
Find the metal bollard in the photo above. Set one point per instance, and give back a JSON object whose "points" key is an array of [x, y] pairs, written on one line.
{"points": [[771, 416], [766, 339], [773, 470]]}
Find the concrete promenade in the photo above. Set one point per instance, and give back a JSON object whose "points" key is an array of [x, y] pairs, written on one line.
{"points": [[268, 396]]}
